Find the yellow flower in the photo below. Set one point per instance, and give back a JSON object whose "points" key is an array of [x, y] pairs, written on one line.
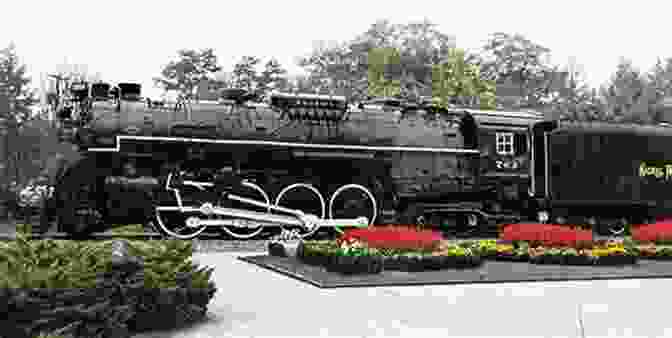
{"points": [[616, 250], [504, 247], [614, 245], [600, 252]]}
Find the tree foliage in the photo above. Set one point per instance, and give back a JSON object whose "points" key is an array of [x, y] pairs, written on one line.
{"points": [[577, 100], [16, 98], [515, 59], [381, 73], [659, 81], [245, 72], [272, 77], [457, 79], [419, 44], [188, 70], [626, 93], [345, 66], [660, 78], [338, 66], [416, 59]]}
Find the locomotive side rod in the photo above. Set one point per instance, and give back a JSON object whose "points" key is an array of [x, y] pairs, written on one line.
{"points": [[297, 213], [278, 220], [203, 185]]}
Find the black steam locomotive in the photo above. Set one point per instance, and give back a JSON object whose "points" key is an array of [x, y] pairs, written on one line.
{"points": [[292, 160]]}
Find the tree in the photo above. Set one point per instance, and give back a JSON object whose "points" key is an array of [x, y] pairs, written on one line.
{"points": [[659, 81], [16, 98], [383, 64], [457, 79], [421, 46], [272, 76], [660, 77], [16, 101], [188, 71], [519, 61], [339, 65], [245, 72], [300, 84], [626, 94], [577, 100], [346, 65]]}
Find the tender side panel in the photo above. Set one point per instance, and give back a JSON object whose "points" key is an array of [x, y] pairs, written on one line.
{"points": [[610, 169]]}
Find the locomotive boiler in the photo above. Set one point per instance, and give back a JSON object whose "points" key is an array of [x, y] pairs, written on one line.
{"points": [[295, 160]]}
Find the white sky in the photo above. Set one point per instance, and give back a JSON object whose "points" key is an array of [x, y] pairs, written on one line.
{"points": [[131, 40]]}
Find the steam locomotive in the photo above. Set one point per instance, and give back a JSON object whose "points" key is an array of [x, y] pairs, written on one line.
{"points": [[293, 161]]}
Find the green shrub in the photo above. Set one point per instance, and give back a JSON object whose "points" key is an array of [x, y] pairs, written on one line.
{"points": [[170, 258], [49, 263], [33, 272]]}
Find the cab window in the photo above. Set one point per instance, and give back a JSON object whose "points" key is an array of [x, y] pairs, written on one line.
{"points": [[505, 143]]}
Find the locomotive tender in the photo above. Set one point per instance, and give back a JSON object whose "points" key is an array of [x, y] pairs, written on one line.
{"points": [[604, 174], [296, 160]]}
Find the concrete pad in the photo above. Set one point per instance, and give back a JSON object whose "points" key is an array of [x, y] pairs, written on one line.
{"points": [[634, 308], [253, 302]]}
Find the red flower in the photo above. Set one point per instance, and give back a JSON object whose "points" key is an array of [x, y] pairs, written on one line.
{"points": [[394, 237], [546, 234], [659, 231]]}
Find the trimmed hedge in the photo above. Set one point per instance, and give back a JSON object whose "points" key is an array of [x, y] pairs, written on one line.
{"points": [[99, 289]]}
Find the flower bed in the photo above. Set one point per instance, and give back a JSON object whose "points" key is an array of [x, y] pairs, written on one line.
{"points": [[659, 232], [556, 244], [375, 249], [395, 238], [548, 235], [654, 241], [613, 254], [372, 250], [511, 251]]}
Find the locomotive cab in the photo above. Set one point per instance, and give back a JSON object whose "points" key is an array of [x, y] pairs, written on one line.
{"points": [[503, 140]]}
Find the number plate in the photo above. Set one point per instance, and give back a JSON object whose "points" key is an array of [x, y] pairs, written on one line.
{"points": [[507, 164]]}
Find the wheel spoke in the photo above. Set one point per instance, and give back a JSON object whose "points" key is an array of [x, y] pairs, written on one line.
{"points": [[303, 232], [366, 195], [174, 222]]}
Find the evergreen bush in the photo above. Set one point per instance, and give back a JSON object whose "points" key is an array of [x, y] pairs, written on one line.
{"points": [[99, 288]]}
